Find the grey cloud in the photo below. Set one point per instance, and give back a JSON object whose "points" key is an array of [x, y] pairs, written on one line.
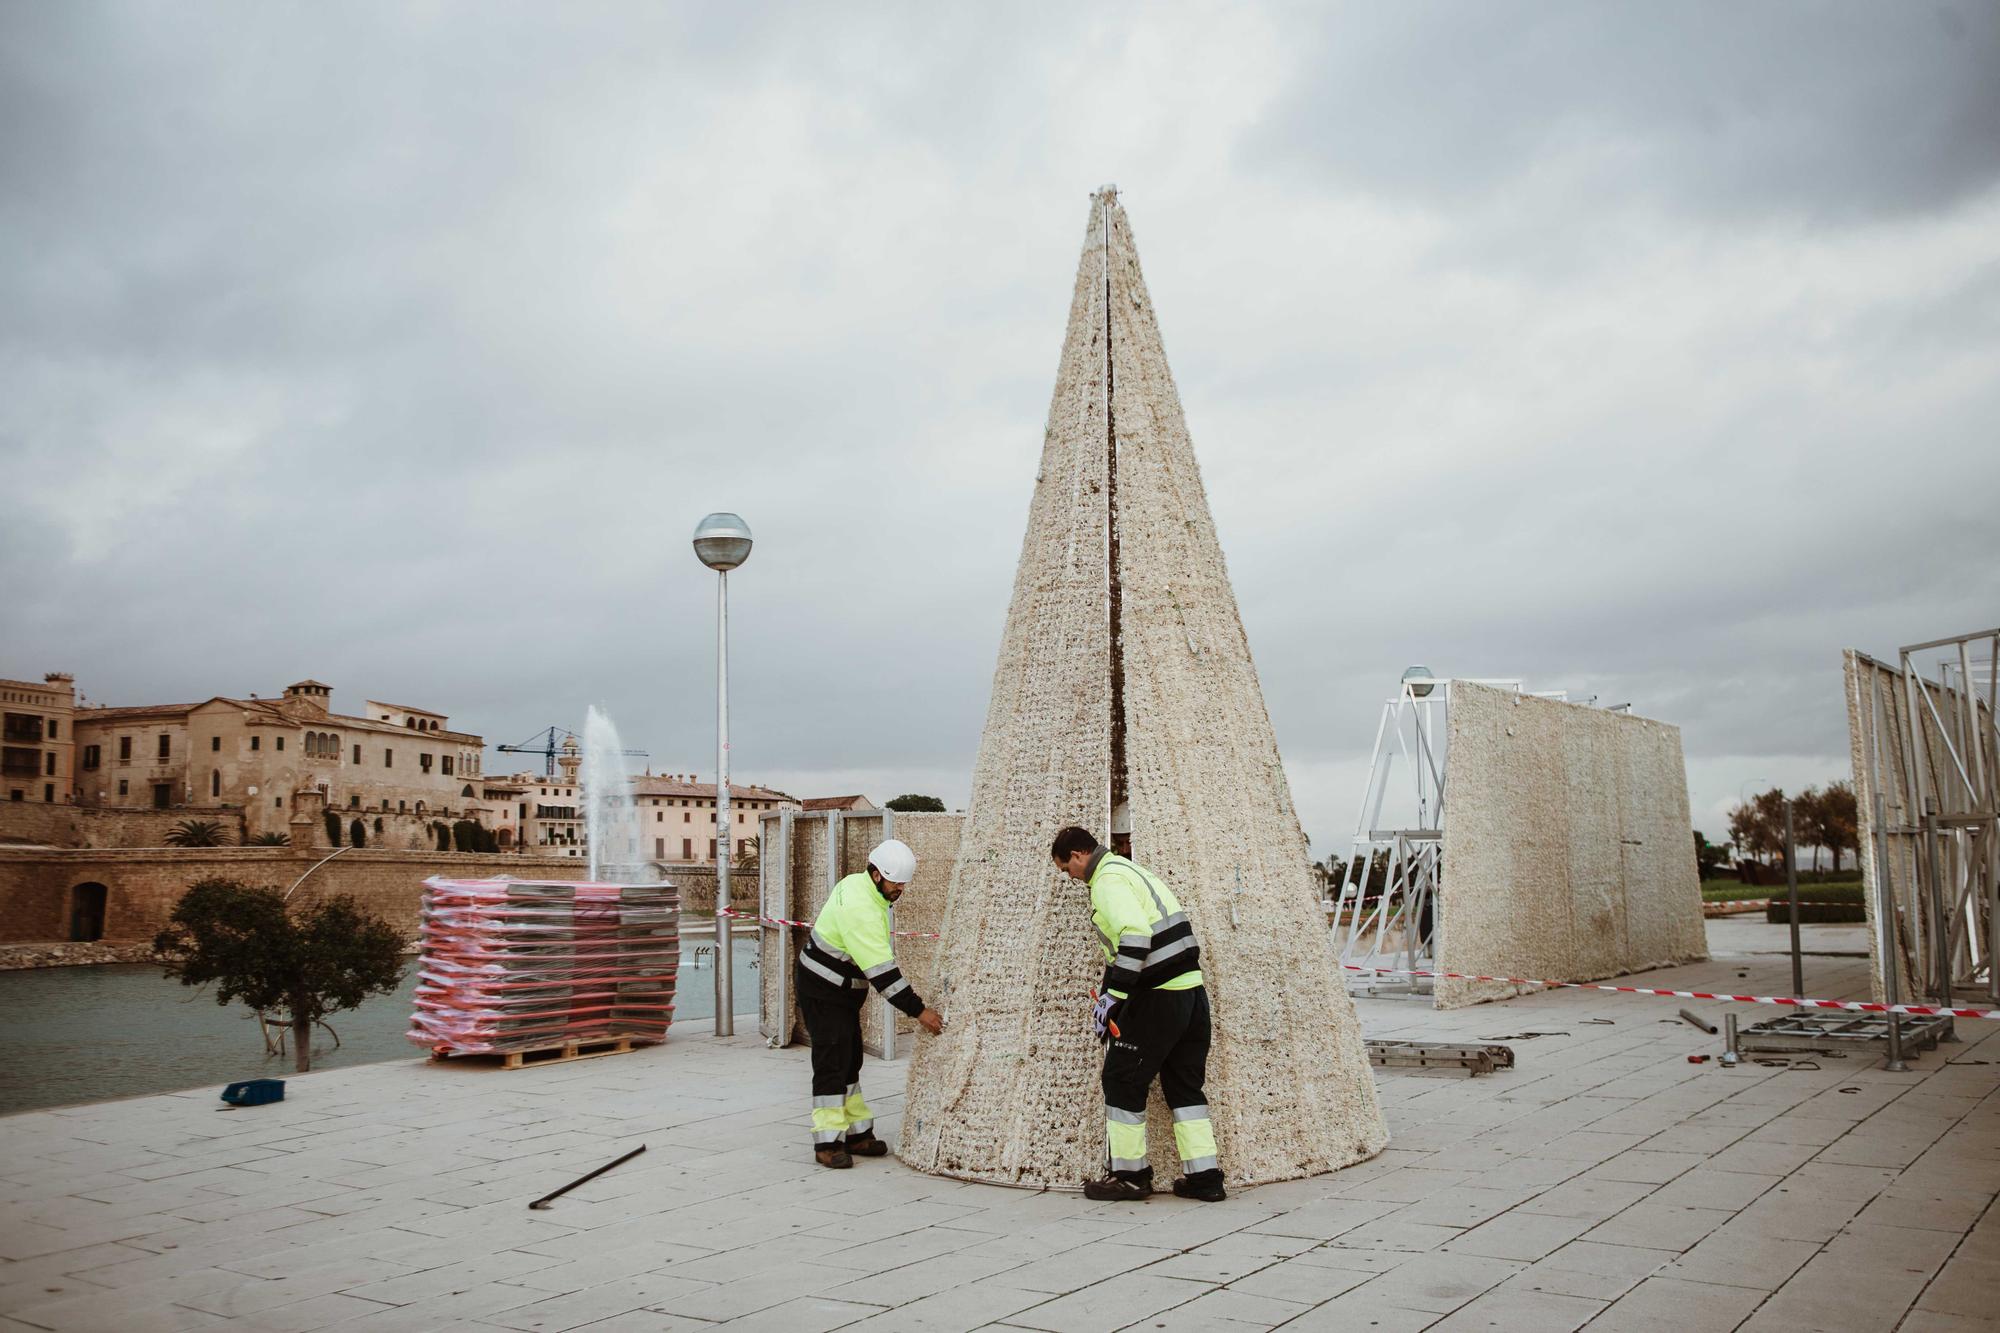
{"points": [[1839, 111]]}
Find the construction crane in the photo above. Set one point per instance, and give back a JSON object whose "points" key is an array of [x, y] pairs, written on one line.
{"points": [[548, 744]]}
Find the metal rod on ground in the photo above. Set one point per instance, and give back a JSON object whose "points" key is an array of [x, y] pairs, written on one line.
{"points": [[546, 1199], [1700, 1022], [1792, 891]]}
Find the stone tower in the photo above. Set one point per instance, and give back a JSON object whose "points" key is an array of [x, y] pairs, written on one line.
{"points": [[1125, 680]]}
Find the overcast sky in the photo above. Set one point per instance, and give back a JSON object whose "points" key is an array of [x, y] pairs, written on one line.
{"points": [[1647, 351]]}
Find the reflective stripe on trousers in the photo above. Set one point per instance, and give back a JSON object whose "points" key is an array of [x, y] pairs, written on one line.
{"points": [[829, 1120], [860, 1120], [1194, 1138], [1125, 1131]]}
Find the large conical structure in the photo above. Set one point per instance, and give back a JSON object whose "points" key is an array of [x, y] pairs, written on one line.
{"points": [[1125, 677]]}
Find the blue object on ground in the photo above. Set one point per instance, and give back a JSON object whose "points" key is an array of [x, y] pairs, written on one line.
{"points": [[254, 1092]]}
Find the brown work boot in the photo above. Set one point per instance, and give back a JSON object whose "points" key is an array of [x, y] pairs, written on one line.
{"points": [[1121, 1186], [833, 1155], [866, 1145]]}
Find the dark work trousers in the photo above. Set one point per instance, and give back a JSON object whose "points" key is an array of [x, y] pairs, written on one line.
{"points": [[832, 1017], [1163, 1034]]}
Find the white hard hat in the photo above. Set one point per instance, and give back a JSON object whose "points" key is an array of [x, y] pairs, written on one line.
{"points": [[895, 860]]}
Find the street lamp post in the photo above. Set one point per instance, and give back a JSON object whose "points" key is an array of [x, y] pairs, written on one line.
{"points": [[722, 542]]}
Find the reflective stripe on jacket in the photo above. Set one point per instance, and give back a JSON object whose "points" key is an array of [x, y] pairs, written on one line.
{"points": [[1147, 941], [850, 944]]}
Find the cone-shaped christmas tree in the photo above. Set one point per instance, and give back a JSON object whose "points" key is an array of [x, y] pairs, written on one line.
{"points": [[1125, 679]]}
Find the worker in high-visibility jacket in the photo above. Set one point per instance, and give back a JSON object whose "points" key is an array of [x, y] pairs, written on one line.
{"points": [[1152, 1014], [849, 950]]}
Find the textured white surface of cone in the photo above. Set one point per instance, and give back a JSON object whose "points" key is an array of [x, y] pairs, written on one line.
{"points": [[1011, 1092]]}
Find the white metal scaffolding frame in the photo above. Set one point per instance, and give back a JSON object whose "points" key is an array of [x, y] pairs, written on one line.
{"points": [[1396, 926], [1934, 850]]}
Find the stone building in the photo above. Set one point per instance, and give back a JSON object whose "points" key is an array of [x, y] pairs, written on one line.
{"points": [[36, 761], [254, 755], [677, 817]]}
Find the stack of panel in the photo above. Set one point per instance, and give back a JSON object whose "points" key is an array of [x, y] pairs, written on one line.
{"points": [[521, 965]]}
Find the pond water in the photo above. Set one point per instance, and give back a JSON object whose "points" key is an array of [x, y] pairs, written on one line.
{"points": [[86, 1034]]}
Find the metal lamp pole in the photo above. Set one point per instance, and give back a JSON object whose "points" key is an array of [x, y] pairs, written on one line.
{"points": [[722, 542]]}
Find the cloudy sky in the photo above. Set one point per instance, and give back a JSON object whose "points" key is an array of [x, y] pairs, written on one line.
{"points": [[1651, 352]]}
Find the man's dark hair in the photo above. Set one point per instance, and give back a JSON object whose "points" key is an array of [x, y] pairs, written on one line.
{"points": [[1071, 841]]}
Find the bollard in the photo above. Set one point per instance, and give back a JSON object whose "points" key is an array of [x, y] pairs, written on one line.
{"points": [[1729, 1056]]}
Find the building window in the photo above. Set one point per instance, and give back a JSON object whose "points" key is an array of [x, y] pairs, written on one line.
{"points": [[93, 755], [388, 758], [124, 788], [125, 749], [256, 742], [687, 849], [166, 745], [214, 743], [20, 761], [53, 724], [24, 727], [401, 807], [49, 792], [357, 754], [711, 849], [687, 817], [278, 801], [16, 794], [444, 765], [659, 816], [281, 742], [659, 849], [424, 762], [354, 800], [215, 782], [49, 765]]}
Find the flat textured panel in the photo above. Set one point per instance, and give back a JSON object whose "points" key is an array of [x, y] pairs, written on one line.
{"points": [[1011, 1092], [1568, 854]]}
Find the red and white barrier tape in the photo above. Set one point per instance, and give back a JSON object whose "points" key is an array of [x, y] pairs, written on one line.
{"points": [[1789, 1001], [807, 925]]}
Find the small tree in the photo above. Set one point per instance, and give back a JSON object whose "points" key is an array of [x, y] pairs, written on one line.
{"points": [[332, 828], [270, 840], [195, 833], [1841, 826], [357, 834], [914, 804], [465, 833], [1708, 857], [488, 842], [306, 965]]}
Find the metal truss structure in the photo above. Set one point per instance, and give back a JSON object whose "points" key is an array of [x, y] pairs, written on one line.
{"points": [[1392, 922], [1927, 762]]}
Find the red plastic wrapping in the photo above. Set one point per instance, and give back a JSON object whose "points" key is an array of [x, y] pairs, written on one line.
{"points": [[519, 965]]}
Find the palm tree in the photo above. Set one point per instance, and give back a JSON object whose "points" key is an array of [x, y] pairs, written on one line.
{"points": [[196, 833], [270, 840]]}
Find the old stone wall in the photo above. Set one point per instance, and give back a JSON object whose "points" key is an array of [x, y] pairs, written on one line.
{"points": [[142, 886], [34, 823], [1567, 851]]}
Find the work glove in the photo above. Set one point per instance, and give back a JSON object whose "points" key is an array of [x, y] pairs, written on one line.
{"points": [[1103, 1014]]}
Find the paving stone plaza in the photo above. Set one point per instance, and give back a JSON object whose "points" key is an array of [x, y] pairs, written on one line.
{"points": [[1604, 1183]]}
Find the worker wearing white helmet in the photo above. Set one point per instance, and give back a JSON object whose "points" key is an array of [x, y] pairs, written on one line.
{"points": [[849, 950]]}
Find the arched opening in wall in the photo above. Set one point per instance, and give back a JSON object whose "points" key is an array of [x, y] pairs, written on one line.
{"points": [[86, 912], [505, 838], [467, 791], [420, 807]]}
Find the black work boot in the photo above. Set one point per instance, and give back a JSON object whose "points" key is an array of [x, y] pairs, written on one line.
{"points": [[833, 1155], [866, 1145], [1203, 1185], [1121, 1186]]}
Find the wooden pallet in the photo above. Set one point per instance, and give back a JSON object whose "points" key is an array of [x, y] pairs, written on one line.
{"points": [[546, 1055]]}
